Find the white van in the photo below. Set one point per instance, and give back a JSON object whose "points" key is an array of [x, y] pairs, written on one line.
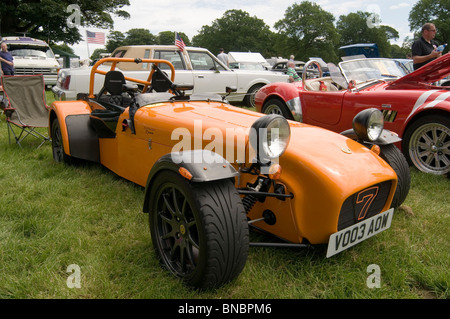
{"points": [[32, 56]]}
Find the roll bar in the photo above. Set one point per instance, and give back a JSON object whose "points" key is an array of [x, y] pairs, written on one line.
{"points": [[114, 62]]}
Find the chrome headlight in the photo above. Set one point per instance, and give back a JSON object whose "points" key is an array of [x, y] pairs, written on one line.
{"points": [[368, 124], [269, 137]]}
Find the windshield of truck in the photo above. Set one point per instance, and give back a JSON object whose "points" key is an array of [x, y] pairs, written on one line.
{"points": [[31, 51]]}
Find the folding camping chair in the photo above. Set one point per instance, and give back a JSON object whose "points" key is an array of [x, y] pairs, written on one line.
{"points": [[27, 109]]}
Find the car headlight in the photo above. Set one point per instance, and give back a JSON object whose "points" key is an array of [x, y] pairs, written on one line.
{"points": [[269, 137], [368, 124]]}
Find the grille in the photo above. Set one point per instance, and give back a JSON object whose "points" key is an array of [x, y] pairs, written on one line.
{"points": [[29, 71], [364, 204]]}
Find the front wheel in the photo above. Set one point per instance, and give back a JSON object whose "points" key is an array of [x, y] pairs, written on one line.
{"points": [[275, 106], [392, 155], [199, 231], [59, 154], [426, 144]]}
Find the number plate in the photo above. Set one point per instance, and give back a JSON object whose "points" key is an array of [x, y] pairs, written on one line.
{"points": [[359, 232]]}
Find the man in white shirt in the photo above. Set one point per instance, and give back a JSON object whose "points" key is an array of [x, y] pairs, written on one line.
{"points": [[222, 56]]}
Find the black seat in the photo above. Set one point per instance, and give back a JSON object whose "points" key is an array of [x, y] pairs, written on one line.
{"points": [[160, 81], [114, 81]]}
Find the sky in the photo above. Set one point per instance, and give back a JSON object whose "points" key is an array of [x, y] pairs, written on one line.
{"points": [[190, 16]]}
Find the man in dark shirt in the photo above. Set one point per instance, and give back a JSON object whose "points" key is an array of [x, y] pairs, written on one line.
{"points": [[424, 49], [7, 60]]}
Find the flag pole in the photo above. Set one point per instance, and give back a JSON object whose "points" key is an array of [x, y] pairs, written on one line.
{"points": [[87, 43]]}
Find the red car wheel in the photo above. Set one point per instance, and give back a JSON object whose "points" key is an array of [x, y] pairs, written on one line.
{"points": [[427, 144]]}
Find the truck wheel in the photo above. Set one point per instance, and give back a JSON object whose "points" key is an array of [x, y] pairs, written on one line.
{"points": [[394, 157], [426, 144], [199, 230], [249, 99], [57, 144], [275, 106]]}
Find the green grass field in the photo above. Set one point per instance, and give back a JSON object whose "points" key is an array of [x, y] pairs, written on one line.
{"points": [[53, 216]]}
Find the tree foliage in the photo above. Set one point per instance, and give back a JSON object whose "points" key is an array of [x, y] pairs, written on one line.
{"points": [[434, 11], [115, 39], [97, 52], [63, 47], [47, 19], [308, 31], [357, 28], [168, 37], [236, 31], [140, 36]]}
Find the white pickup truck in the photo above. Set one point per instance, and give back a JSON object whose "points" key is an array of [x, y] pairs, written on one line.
{"points": [[33, 56], [195, 66]]}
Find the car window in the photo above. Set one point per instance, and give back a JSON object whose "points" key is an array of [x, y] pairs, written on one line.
{"points": [[119, 54], [146, 56], [173, 57], [280, 66], [204, 61]]}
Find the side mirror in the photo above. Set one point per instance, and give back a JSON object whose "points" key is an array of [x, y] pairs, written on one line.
{"points": [[351, 85], [228, 91]]}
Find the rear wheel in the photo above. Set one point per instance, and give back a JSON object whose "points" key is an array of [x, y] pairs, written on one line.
{"points": [[199, 231], [426, 144], [392, 155], [250, 97]]}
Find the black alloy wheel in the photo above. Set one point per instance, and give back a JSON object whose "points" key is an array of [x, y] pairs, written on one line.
{"points": [[199, 230]]}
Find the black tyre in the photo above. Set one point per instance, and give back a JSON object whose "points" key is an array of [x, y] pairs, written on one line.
{"points": [[426, 144], [249, 99], [394, 157], [199, 231], [275, 106], [57, 144]]}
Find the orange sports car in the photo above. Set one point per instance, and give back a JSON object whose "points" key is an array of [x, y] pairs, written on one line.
{"points": [[211, 171]]}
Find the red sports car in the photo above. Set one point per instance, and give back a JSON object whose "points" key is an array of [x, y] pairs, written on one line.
{"points": [[413, 105]]}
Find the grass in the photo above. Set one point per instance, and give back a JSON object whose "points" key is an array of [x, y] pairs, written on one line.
{"points": [[53, 216]]}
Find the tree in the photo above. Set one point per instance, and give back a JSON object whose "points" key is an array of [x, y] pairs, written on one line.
{"points": [[168, 38], [399, 52], [434, 11], [308, 31], [139, 36], [115, 40], [96, 54], [236, 31], [63, 47], [356, 28], [48, 19]]}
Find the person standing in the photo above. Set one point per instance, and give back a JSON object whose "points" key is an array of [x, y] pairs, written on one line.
{"points": [[222, 56], [424, 49], [7, 60]]}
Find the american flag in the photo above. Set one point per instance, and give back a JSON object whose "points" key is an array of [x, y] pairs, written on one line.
{"points": [[179, 42], [95, 37]]}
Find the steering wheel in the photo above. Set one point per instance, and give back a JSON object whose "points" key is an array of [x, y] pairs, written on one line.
{"points": [[307, 66]]}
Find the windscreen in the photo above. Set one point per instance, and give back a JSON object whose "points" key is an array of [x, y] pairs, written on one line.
{"points": [[31, 51]]}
